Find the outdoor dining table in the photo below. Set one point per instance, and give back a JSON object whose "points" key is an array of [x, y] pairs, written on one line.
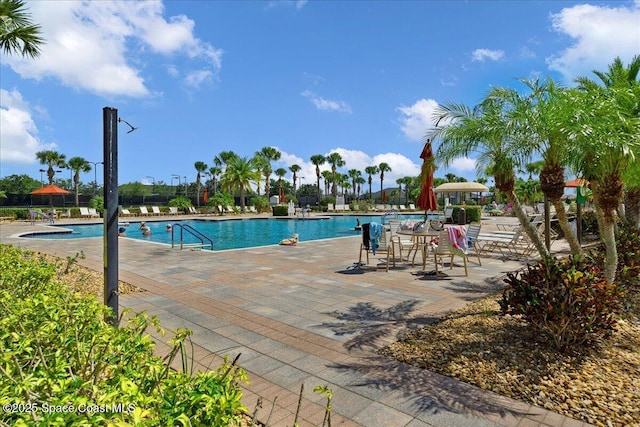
{"points": [[421, 242]]}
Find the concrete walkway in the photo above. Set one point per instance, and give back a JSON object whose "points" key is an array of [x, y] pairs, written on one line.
{"points": [[297, 315]]}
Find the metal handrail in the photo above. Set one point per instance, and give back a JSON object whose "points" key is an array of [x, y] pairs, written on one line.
{"points": [[195, 233]]}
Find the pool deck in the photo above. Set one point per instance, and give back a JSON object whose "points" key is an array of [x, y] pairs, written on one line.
{"points": [[297, 315]]}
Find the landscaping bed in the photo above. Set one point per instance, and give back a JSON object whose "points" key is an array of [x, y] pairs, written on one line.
{"points": [[500, 353]]}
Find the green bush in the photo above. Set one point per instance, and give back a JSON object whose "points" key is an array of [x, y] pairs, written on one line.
{"points": [[261, 203], [473, 213], [628, 247], [567, 300], [180, 202], [280, 210], [59, 357], [97, 203]]}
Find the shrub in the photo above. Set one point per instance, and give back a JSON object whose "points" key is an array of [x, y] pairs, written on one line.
{"points": [[628, 248], [180, 202], [567, 301], [261, 203], [57, 352], [97, 203], [280, 210]]}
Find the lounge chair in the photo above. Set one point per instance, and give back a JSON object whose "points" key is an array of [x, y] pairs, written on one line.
{"points": [[144, 211], [88, 213], [252, 209], [230, 210], [448, 216], [383, 245], [412, 207], [330, 207], [126, 212], [403, 208], [173, 210], [155, 210], [473, 231]]}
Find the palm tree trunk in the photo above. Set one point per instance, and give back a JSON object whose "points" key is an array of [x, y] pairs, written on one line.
{"points": [[572, 239], [611, 252], [527, 225]]}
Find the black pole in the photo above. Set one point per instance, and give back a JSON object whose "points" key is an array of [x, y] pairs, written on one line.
{"points": [[110, 191]]}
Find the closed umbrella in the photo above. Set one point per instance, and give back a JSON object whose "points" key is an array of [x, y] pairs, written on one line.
{"points": [[205, 195], [427, 199], [283, 199]]}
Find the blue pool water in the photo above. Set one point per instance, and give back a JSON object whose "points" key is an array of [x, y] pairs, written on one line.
{"points": [[231, 234]]}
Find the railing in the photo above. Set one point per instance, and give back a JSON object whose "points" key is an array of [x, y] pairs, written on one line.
{"points": [[195, 233]]}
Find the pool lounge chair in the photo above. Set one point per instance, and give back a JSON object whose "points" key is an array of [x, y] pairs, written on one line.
{"points": [[86, 213], [144, 211], [412, 207], [173, 210], [155, 210], [126, 212], [252, 209]]}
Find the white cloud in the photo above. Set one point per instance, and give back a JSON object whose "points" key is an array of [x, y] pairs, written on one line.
{"points": [[487, 54], [18, 131], [600, 34], [196, 78], [417, 119], [463, 165], [98, 46], [323, 104], [298, 4]]}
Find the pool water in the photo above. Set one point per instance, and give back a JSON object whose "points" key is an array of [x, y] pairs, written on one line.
{"points": [[230, 234]]}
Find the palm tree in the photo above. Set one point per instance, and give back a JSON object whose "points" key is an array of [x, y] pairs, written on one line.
{"points": [[354, 174], [604, 133], [280, 173], [269, 154], [359, 181], [450, 177], [336, 161], [382, 168], [371, 170], [239, 174], [200, 168], [294, 170], [77, 165], [485, 129], [318, 160], [407, 181], [214, 172], [53, 160], [17, 33], [222, 159], [327, 175]]}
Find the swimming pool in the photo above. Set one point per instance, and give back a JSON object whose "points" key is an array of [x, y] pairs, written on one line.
{"points": [[229, 234]]}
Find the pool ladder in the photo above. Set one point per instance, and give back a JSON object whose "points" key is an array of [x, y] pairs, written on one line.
{"points": [[204, 240]]}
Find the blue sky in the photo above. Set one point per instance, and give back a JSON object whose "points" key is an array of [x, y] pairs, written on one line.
{"points": [[307, 77]]}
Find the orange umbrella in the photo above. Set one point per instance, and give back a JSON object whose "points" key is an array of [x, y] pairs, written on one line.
{"points": [[50, 190], [283, 199], [205, 195], [576, 183], [427, 199]]}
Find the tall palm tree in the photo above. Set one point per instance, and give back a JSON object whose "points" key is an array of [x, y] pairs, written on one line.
{"points": [[336, 161], [269, 154], [280, 173], [318, 160], [450, 177], [239, 174], [214, 173], [77, 165], [18, 35], [371, 170], [294, 170], [353, 175], [53, 160], [359, 181], [485, 129], [407, 181], [200, 168], [382, 168], [327, 175]]}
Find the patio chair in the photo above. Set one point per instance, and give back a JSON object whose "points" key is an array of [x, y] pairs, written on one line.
{"points": [[155, 210], [445, 248], [447, 218], [252, 209], [403, 242], [173, 210], [330, 207], [473, 231], [230, 210], [144, 211], [93, 213], [382, 242], [126, 212]]}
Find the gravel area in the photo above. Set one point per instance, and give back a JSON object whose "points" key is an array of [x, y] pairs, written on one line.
{"points": [[479, 346]]}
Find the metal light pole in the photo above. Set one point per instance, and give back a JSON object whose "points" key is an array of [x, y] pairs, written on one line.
{"points": [[153, 180], [41, 179], [172, 178], [185, 186], [95, 176]]}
